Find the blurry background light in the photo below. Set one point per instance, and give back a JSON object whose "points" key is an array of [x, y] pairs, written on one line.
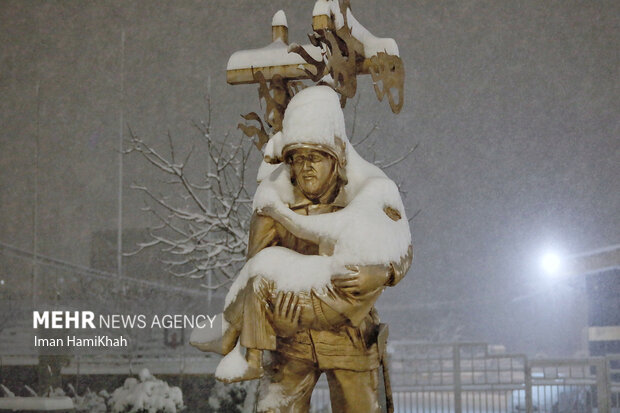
{"points": [[551, 263]]}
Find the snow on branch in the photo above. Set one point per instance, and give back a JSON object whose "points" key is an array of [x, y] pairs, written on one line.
{"points": [[399, 159], [200, 225]]}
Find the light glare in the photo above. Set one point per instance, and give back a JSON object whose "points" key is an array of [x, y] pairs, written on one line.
{"points": [[551, 263]]}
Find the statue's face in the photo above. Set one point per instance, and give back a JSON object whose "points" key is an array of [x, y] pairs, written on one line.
{"points": [[313, 171]]}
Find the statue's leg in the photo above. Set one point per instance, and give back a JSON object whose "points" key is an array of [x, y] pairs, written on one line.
{"points": [[231, 322], [256, 329], [291, 382], [259, 296], [244, 316], [353, 391]]}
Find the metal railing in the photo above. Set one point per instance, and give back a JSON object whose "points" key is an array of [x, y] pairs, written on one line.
{"points": [[467, 378]]}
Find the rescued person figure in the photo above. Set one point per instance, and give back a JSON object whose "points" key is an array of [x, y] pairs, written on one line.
{"points": [[332, 328]]}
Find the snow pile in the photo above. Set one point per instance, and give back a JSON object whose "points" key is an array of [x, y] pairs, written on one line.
{"points": [[36, 403], [54, 400], [90, 402], [146, 395], [312, 116], [233, 398], [372, 44]]}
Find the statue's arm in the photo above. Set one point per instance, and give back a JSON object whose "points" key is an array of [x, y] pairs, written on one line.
{"points": [[285, 313], [263, 234], [365, 279], [354, 292], [400, 268]]}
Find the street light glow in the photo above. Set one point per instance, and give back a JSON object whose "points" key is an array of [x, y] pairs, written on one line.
{"points": [[551, 263]]}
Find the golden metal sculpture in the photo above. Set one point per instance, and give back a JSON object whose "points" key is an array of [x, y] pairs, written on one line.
{"points": [[253, 131], [343, 59], [309, 331], [276, 93], [388, 71], [334, 329], [344, 53], [330, 328]]}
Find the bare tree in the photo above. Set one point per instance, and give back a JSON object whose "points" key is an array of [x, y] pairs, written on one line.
{"points": [[202, 226]]}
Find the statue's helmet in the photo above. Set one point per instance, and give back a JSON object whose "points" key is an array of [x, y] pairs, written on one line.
{"points": [[313, 119]]}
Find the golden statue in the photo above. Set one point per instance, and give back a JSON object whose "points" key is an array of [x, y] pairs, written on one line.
{"points": [[337, 215]]}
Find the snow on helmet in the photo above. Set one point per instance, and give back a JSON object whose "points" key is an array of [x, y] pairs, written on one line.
{"points": [[313, 119]]}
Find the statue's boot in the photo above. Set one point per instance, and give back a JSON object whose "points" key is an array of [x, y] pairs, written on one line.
{"points": [[254, 371], [221, 345]]}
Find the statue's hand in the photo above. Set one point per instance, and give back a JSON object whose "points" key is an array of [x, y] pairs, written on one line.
{"points": [[362, 279], [286, 314], [269, 210]]}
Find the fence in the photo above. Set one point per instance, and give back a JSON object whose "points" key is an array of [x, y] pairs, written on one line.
{"points": [[467, 378], [425, 378]]}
